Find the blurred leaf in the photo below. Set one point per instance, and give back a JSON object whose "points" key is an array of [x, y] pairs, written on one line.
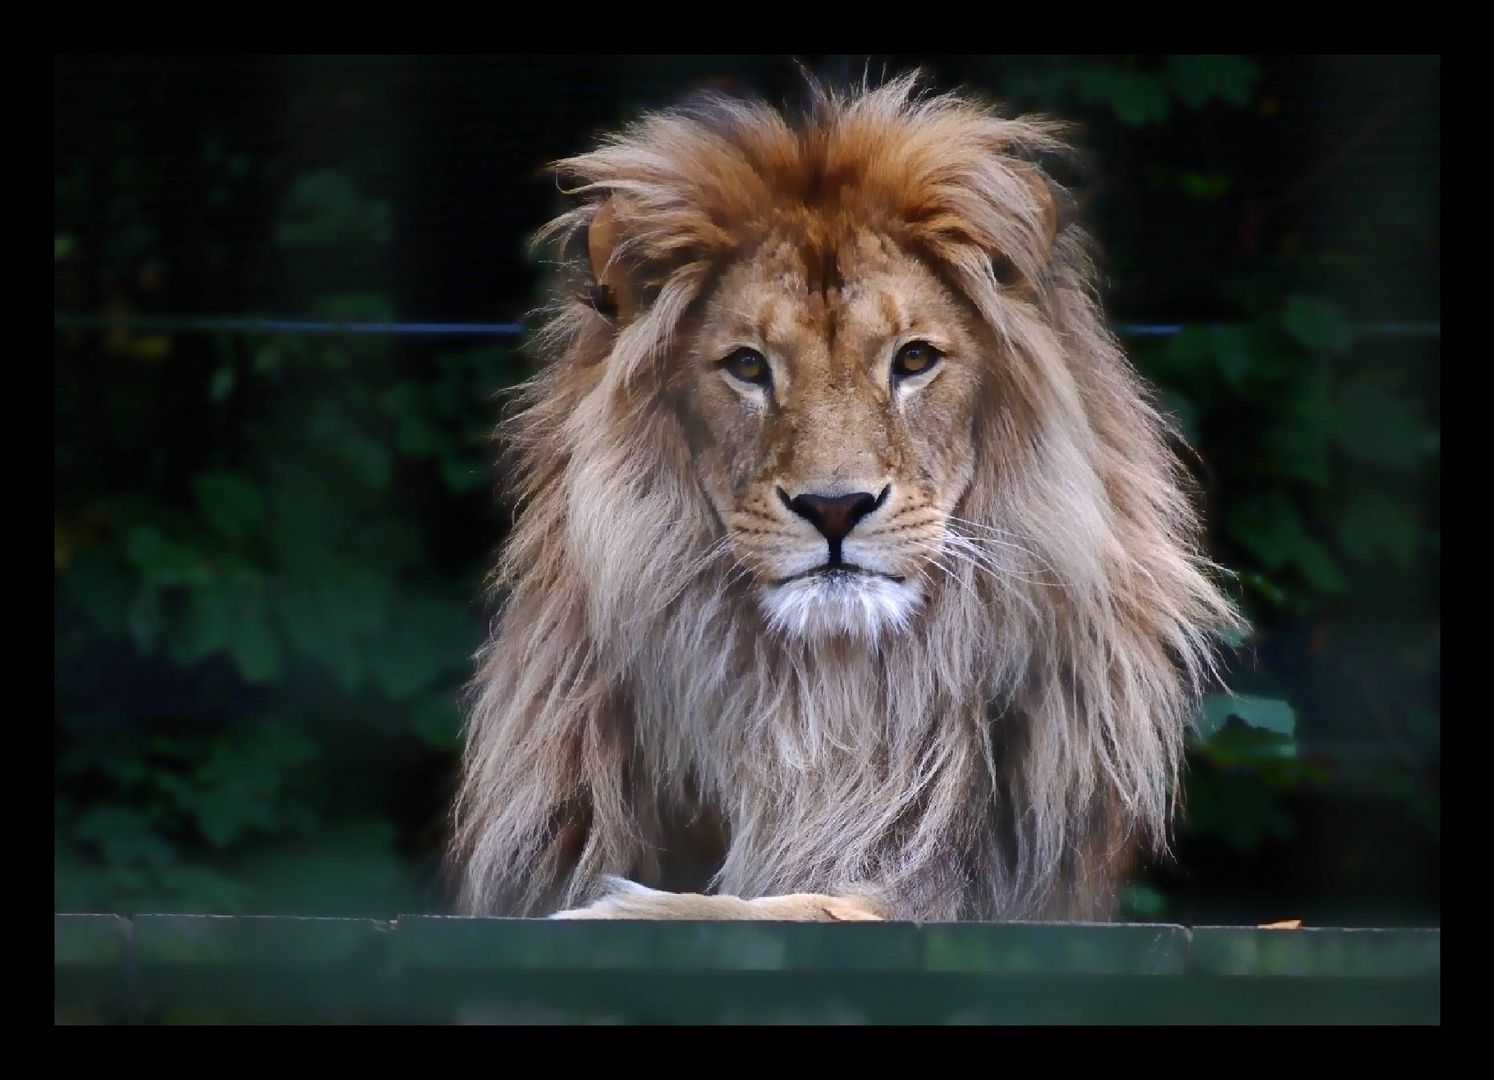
{"points": [[222, 384], [1237, 808], [231, 503], [1267, 714], [1136, 97], [1204, 186], [1374, 523], [165, 562], [1231, 349], [416, 434], [1317, 566], [1317, 324], [463, 474], [124, 835], [268, 360], [236, 789], [1299, 450], [350, 868], [232, 616], [1198, 79], [1269, 527], [333, 619], [196, 889], [1376, 426], [1142, 903], [146, 618], [357, 307], [438, 722], [427, 637], [325, 209]]}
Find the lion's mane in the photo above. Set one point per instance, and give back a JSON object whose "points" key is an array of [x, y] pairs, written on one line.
{"points": [[1002, 759]]}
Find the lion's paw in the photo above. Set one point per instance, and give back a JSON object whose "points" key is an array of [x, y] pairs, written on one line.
{"points": [[625, 900]]}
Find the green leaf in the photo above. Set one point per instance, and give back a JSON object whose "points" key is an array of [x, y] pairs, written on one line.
{"points": [[1135, 97], [165, 562], [1299, 450], [1376, 425], [231, 503], [238, 788], [1268, 526], [196, 889], [232, 616], [1138, 98], [463, 473], [1316, 565], [1142, 902], [428, 637], [356, 307], [222, 384], [124, 835], [146, 618], [332, 618], [1231, 350], [1317, 324], [1373, 523], [438, 723], [325, 210], [416, 433], [352, 867], [1197, 79], [1205, 187], [1267, 714], [1239, 809], [268, 360], [1272, 530]]}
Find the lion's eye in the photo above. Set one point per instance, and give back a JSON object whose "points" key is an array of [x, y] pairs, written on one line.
{"points": [[749, 366], [914, 358]]}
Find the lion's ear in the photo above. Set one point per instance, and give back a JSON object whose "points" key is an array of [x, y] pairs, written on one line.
{"points": [[1053, 215], [614, 294], [1042, 192]]}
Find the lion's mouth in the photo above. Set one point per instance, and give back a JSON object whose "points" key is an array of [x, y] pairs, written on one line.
{"points": [[842, 571]]}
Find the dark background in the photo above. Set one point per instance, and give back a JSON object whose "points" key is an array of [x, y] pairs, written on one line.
{"points": [[269, 544]]}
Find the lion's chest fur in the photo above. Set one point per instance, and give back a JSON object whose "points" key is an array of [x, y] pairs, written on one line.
{"points": [[825, 765]]}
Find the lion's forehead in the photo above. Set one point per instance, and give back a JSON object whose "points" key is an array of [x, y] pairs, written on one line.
{"points": [[814, 301]]}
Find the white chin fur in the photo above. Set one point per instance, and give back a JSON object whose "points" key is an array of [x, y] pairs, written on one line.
{"points": [[858, 605]]}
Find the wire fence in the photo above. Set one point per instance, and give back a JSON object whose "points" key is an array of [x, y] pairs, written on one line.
{"points": [[233, 324]]}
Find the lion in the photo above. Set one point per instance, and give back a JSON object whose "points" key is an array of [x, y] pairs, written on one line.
{"points": [[852, 557]]}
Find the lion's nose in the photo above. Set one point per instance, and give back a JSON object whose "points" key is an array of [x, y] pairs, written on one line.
{"points": [[834, 515]]}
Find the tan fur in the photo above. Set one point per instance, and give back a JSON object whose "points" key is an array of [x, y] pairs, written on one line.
{"points": [[993, 735], [628, 900]]}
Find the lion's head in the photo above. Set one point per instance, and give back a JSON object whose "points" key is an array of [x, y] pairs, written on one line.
{"points": [[844, 517], [830, 391]]}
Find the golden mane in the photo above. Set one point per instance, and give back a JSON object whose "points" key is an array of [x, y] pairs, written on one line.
{"points": [[1000, 760]]}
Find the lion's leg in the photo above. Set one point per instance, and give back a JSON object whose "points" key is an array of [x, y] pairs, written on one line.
{"points": [[629, 900]]}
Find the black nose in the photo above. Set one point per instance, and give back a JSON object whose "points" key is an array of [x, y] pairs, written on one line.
{"points": [[834, 515]]}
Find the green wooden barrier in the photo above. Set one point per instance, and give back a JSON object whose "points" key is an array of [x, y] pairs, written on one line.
{"points": [[426, 969]]}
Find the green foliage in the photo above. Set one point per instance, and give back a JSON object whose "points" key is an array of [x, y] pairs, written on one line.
{"points": [[326, 209], [1289, 423], [291, 581], [1136, 93]]}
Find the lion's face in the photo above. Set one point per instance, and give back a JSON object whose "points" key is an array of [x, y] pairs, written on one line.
{"points": [[829, 390]]}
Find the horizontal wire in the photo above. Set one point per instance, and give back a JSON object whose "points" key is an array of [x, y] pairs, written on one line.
{"points": [[235, 324]]}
